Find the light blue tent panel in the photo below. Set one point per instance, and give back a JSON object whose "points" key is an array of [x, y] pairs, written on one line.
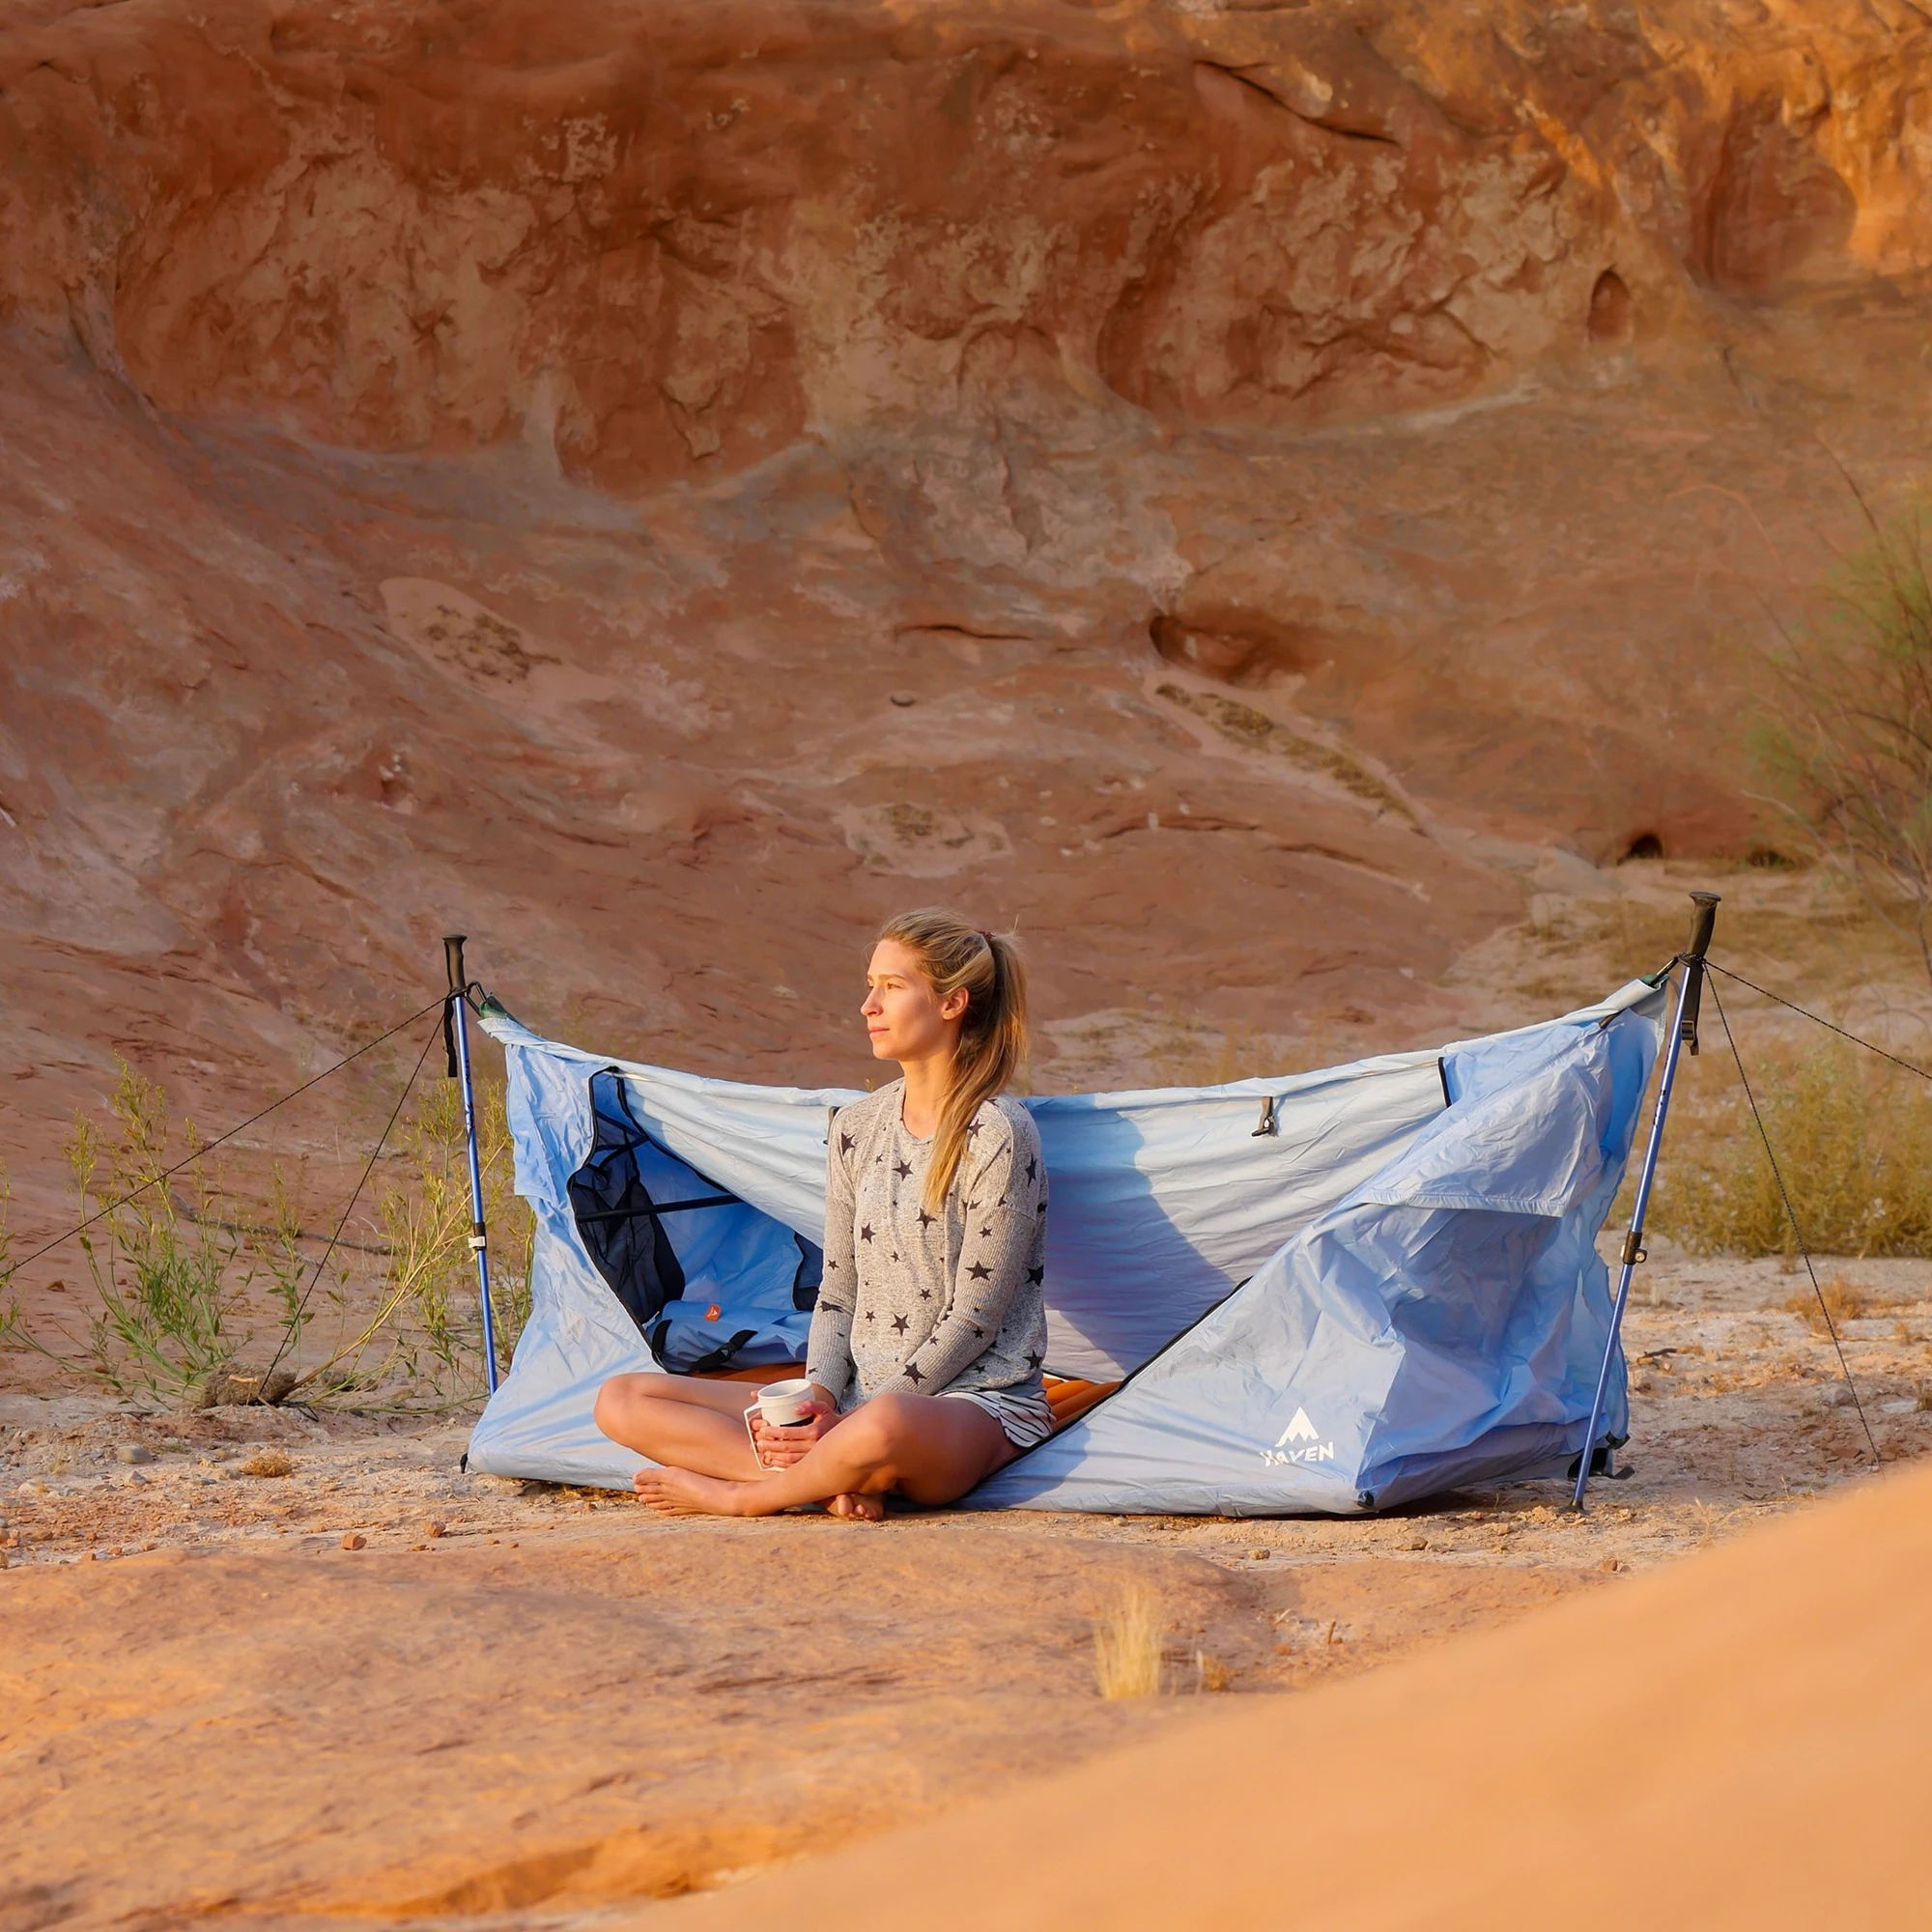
{"points": [[1443, 1324], [1416, 1236]]}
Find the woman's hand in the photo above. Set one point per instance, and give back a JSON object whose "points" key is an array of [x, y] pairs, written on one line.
{"points": [[780, 1448]]}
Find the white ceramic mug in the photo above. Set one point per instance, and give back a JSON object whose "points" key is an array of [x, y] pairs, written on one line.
{"points": [[782, 1406], [785, 1405]]}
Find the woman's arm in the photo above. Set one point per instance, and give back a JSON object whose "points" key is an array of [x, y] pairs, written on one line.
{"points": [[827, 1352], [1002, 1189]]}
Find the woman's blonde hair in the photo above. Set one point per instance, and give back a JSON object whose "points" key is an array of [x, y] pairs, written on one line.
{"points": [[992, 1031]]}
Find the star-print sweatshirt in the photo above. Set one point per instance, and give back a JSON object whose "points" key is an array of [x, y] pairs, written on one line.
{"points": [[916, 1304]]}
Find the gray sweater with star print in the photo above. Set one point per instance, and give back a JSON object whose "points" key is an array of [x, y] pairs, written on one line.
{"points": [[913, 1303]]}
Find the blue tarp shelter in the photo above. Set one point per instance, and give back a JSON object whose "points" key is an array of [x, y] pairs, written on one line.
{"points": [[1328, 1291]]}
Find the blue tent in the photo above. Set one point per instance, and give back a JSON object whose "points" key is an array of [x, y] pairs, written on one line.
{"points": [[1328, 1291]]}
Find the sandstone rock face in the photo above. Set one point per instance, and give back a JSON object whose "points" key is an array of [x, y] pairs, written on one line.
{"points": [[650, 241], [1244, 489]]}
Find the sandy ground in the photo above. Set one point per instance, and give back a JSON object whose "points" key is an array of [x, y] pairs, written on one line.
{"points": [[514, 1699], [1739, 1742]]}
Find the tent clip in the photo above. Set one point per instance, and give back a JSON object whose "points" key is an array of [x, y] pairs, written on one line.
{"points": [[1268, 1120]]}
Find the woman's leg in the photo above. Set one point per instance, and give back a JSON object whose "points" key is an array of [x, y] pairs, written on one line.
{"points": [[694, 1425], [930, 1449]]}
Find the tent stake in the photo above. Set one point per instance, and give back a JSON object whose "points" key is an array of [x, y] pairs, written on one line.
{"points": [[1682, 1033], [456, 1010]]}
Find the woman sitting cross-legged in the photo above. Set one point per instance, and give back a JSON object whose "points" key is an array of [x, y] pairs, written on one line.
{"points": [[925, 1347]]}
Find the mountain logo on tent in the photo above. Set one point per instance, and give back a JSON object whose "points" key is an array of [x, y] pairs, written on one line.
{"points": [[1300, 1442]]}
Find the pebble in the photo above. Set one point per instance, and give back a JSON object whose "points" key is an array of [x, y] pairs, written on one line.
{"points": [[1417, 1543], [1261, 1555], [433, 1528], [1609, 1563], [354, 1539], [133, 1452], [30, 1489], [129, 1478]]}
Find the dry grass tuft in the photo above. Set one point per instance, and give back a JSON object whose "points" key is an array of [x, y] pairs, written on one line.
{"points": [[1848, 1301], [1210, 1673], [1127, 1646], [274, 1461]]}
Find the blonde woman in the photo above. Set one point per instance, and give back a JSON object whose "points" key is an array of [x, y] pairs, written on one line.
{"points": [[925, 1347]]}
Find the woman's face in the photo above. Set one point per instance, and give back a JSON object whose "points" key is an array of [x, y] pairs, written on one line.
{"points": [[905, 1018]]}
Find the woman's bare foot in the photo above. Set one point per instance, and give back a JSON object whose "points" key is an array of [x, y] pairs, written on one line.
{"points": [[857, 1509], [680, 1492]]}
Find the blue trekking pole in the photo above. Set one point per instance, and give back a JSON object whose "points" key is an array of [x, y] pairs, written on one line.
{"points": [[456, 1039], [1682, 1033]]}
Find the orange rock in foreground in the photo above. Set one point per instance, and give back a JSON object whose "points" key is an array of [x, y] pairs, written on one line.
{"points": [[1744, 1740]]}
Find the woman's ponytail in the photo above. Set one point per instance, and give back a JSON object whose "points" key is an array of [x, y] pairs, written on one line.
{"points": [[992, 1031]]}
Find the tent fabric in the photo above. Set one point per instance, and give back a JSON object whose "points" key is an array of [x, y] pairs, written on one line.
{"points": [[1405, 1247], [1443, 1324], [678, 1254]]}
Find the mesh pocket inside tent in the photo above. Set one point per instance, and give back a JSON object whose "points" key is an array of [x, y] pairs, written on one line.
{"points": [[710, 1281]]}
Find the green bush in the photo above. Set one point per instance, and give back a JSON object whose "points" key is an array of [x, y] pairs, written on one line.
{"points": [[164, 1268]]}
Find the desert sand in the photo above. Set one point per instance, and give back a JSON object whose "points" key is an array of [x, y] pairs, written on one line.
{"points": [[517, 1699], [1741, 1739]]}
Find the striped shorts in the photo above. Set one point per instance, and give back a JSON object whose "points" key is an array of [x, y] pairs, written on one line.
{"points": [[1022, 1414]]}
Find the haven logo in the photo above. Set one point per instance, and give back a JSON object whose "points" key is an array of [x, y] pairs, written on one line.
{"points": [[1299, 1443]]}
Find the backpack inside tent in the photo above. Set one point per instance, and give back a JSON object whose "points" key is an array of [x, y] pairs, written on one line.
{"points": [[1330, 1291]]}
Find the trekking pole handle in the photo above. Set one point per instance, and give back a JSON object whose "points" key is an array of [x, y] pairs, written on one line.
{"points": [[1703, 921], [452, 962]]}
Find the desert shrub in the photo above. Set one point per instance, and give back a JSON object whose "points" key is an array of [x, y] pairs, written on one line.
{"points": [[1854, 1142], [173, 1274], [1127, 1646], [426, 1219], [166, 1287], [422, 1334], [188, 1275], [1845, 736]]}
